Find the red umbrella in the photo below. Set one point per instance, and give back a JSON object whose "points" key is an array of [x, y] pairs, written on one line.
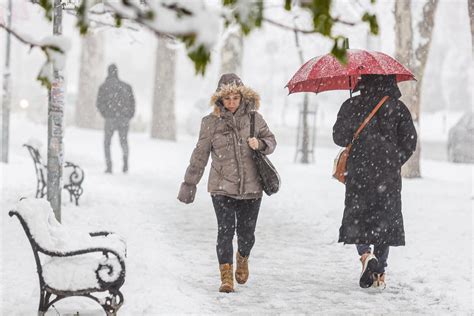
{"points": [[324, 73]]}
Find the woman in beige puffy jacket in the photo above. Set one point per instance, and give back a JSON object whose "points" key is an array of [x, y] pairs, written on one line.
{"points": [[234, 183]]}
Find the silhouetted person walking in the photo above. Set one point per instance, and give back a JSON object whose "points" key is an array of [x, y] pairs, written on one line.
{"points": [[373, 204], [116, 104]]}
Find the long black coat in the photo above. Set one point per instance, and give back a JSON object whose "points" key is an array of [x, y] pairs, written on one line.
{"points": [[372, 213], [115, 99]]}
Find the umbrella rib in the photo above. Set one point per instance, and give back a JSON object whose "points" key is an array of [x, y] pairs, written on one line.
{"points": [[377, 62], [319, 85], [314, 66]]}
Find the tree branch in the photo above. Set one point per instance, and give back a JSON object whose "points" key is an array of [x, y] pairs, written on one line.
{"points": [[177, 8], [295, 29], [73, 13], [140, 19], [341, 21], [287, 27], [27, 42]]}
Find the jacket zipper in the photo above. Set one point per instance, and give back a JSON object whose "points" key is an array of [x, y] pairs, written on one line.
{"points": [[237, 142]]}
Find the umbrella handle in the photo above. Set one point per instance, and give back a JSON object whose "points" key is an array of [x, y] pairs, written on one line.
{"points": [[350, 86], [346, 46]]}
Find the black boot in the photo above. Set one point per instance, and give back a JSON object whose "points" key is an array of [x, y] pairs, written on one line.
{"points": [[108, 169], [125, 165]]}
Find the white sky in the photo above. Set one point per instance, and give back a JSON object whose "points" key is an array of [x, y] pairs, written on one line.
{"points": [[270, 58]]}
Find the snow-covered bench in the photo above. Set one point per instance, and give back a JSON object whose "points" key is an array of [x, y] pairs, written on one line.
{"points": [[71, 262], [73, 176]]}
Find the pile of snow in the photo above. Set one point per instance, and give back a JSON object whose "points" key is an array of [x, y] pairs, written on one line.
{"points": [[79, 272], [74, 272]]}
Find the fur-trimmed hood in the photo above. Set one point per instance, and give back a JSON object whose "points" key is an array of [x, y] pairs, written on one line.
{"points": [[250, 98], [231, 83]]}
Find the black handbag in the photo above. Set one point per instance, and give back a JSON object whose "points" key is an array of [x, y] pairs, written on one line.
{"points": [[269, 176]]}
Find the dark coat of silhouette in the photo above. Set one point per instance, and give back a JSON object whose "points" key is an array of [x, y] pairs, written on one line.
{"points": [[116, 103], [372, 213], [115, 99]]}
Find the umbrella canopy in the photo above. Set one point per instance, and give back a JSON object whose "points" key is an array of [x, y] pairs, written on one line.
{"points": [[324, 73]]}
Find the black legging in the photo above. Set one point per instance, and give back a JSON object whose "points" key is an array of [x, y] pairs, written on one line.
{"points": [[227, 211], [112, 125]]}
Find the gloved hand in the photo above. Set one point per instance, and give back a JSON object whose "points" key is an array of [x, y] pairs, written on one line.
{"points": [[187, 192]]}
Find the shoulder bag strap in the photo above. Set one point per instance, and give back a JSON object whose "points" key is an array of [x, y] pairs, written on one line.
{"points": [[369, 117], [252, 124]]}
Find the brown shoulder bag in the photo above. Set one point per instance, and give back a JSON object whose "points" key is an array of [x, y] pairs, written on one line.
{"points": [[340, 162]]}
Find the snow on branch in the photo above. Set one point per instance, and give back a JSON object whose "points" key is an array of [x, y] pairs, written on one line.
{"points": [[53, 47], [25, 39], [287, 27]]}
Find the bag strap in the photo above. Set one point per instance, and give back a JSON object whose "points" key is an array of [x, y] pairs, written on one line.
{"points": [[252, 124], [368, 118]]}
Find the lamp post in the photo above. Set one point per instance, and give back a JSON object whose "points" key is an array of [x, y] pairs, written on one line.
{"points": [[6, 99]]}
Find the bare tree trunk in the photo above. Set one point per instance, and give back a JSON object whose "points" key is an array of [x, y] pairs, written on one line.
{"points": [[305, 127], [305, 142], [6, 99], [232, 51], [92, 62], [163, 124], [414, 55], [404, 54], [470, 7], [55, 126]]}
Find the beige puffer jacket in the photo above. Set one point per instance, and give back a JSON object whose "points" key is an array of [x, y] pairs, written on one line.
{"points": [[224, 136]]}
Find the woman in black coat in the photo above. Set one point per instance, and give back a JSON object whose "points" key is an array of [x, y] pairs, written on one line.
{"points": [[372, 214]]}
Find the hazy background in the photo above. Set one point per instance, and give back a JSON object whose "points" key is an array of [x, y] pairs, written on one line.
{"points": [[270, 59]]}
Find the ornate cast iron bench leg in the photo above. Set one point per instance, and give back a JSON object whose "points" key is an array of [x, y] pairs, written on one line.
{"points": [[40, 189], [113, 303], [44, 302], [75, 192], [40, 170], [75, 181]]}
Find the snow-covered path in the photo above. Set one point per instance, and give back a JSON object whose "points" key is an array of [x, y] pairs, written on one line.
{"points": [[297, 267]]}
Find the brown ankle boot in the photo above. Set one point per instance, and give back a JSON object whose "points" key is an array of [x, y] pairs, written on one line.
{"points": [[227, 279], [369, 265], [242, 270], [379, 281]]}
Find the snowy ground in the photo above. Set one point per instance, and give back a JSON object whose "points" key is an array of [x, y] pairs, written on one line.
{"points": [[297, 267]]}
